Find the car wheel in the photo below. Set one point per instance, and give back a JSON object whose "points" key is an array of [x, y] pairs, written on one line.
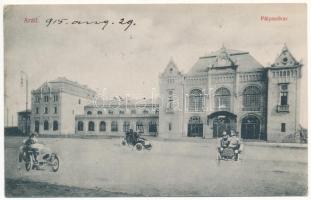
{"points": [[55, 164], [139, 147]]}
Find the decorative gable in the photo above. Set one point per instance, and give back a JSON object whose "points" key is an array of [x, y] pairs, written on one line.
{"points": [[171, 69], [223, 59], [285, 59]]}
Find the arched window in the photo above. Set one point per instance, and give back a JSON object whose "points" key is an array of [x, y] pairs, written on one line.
{"points": [[251, 99], [114, 126], [196, 101], [222, 99], [152, 127], [89, 113], [46, 125], [80, 126], [91, 126], [55, 125], [126, 126], [99, 112], [102, 126]]}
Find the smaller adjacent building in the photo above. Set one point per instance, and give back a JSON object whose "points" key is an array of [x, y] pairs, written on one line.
{"points": [[23, 122], [55, 103], [117, 116]]}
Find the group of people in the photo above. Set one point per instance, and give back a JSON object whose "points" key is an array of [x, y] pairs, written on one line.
{"points": [[229, 141], [131, 136]]}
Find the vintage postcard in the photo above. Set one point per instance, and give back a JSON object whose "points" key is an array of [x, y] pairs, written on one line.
{"points": [[155, 100]]}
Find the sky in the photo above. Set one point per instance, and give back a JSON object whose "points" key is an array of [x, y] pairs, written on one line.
{"points": [[130, 62]]}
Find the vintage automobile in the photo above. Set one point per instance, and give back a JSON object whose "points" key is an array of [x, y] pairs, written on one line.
{"points": [[135, 140], [45, 157], [229, 153]]}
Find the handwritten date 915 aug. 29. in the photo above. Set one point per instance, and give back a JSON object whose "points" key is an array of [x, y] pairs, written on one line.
{"points": [[101, 23]]}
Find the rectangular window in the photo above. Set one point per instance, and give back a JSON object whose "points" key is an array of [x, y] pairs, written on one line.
{"points": [[283, 127], [46, 110], [284, 97], [37, 110], [55, 110], [169, 126], [46, 98], [55, 98]]}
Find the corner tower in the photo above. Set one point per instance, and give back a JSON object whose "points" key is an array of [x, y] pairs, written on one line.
{"points": [[283, 97], [171, 104]]}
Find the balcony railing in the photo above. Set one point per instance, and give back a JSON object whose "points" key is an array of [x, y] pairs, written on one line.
{"points": [[283, 108]]}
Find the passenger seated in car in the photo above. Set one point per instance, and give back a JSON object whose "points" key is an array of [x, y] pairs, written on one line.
{"points": [[234, 141]]}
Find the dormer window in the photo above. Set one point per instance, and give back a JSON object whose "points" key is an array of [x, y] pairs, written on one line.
{"points": [[89, 113]]}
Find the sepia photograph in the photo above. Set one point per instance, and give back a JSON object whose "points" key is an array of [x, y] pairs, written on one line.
{"points": [[155, 100]]}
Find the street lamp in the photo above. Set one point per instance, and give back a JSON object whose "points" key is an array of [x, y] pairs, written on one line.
{"points": [[25, 76]]}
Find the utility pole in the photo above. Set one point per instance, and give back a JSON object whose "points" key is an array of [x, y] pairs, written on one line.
{"points": [[26, 78]]}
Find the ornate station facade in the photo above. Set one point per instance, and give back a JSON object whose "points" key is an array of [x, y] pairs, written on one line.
{"points": [[229, 90], [225, 90]]}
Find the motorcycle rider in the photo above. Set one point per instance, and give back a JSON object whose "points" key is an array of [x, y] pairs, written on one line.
{"points": [[28, 145], [223, 142]]}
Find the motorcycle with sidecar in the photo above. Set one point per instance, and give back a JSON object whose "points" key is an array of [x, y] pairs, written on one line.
{"points": [[37, 155]]}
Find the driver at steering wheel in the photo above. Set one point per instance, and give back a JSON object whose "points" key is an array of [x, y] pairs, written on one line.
{"points": [[223, 142]]}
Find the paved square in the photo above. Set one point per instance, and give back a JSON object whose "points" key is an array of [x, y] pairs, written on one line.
{"points": [[171, 168]]}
